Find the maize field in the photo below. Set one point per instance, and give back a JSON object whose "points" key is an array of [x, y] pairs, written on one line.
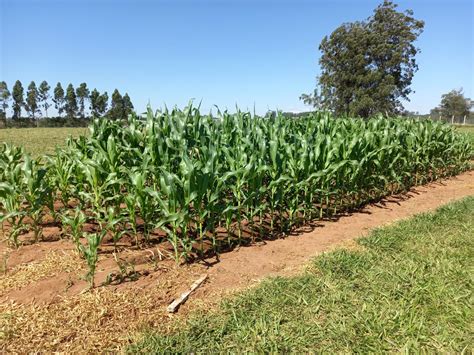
{"points": [[201, 184]]}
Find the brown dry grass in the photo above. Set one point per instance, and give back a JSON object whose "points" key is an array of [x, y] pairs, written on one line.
{"points": [[103, 319], [54, 263]]}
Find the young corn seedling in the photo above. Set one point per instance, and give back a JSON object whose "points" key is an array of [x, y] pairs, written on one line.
{"points": [[90, 252], [75, 224], [140, 198], [126, 272], [61, 169], [37, 193], [132, 215], [12, 213], [113, 222]]}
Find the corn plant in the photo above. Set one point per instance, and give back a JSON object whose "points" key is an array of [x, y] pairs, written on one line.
{"points": [[37, 193], [74, 223], [12, 212], [112, 221], [90, 252], [196, 176], [62, 176]]}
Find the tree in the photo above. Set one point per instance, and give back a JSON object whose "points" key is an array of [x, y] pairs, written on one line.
{"points": [[435, 113], [116, 111], [18, 99], [312, 99], [103, 104], [70, 106], [32, 100], [94, 100], [58, 98], [127, 105], [82, 93], [367, 67], [98, 103], [4, 99], [454, 104], [44, 96]]}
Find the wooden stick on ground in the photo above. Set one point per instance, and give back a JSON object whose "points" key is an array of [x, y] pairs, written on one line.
{"points": [[173, 307]]}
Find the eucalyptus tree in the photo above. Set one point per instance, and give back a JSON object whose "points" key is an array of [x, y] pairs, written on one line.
{"points": [[103, 104], [127, 105], [18, 99], [32, 96], [70, 106], [98, 103], [455, 105], [4, 99], [58, 98], [116, 111], [367, 66], [44, 96], [82, 94]]}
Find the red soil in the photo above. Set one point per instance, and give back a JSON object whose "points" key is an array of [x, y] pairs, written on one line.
{"points": [[250, 263]]}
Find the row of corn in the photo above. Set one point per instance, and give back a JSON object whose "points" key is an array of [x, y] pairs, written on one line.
{"points": [[203, 184]]}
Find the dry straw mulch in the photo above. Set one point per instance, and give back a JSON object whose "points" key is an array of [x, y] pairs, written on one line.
{"points": [[102, 319]]}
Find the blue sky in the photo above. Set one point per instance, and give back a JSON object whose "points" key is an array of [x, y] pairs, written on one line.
{"points": [[260, 52]]}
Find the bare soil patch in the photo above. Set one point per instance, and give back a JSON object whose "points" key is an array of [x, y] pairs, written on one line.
{"points": [[43, 305]]}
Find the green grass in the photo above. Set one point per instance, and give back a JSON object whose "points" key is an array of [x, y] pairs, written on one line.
{"points": [[37, 141], [408, 289], [469, 130]]}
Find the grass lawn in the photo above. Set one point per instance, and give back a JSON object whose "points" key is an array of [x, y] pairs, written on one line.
{"points": [[37, 141], [407, 288]]}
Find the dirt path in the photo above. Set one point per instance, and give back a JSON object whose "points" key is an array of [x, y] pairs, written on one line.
{"points": [[42, 307], [287, 256]]}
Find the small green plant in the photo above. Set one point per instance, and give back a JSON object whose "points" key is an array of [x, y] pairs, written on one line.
{"points": [[11, 213], [126, 272], [74, 225], [36, 193], [62, 175], [112, 221], [90, 252]]}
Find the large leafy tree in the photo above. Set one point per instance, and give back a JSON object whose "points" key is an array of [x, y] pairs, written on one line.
{"points": [[4, 99], [18, 99], [82, 93], [367, 67], [70, 106], [32, 100], [43, 96], [453, 105], [58, 98]]}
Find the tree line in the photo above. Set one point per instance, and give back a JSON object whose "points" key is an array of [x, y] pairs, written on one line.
{"points": [[72, 103]]}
